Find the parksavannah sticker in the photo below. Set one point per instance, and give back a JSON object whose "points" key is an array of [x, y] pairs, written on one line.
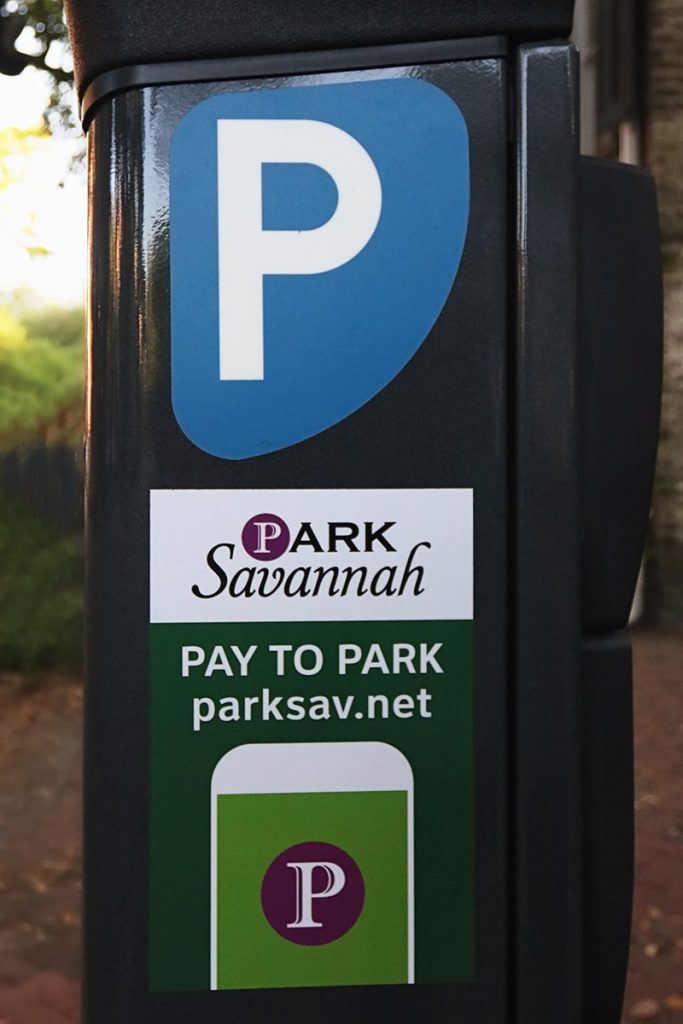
{"points": [[311, 754]]}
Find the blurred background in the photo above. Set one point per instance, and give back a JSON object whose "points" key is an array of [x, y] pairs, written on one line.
{"points": [[632, 110]]}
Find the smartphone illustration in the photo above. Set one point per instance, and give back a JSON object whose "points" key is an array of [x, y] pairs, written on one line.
{"points": [[312, 866]]}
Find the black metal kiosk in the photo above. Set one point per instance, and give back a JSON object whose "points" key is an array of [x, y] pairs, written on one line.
{"points": [[373, 407]]}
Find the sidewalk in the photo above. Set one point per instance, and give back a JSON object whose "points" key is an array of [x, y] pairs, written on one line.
{"points": [[40, 852], [40, 779], [655, 986]]}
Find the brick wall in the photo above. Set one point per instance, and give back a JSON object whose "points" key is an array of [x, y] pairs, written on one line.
{"points": [[664, 152]]}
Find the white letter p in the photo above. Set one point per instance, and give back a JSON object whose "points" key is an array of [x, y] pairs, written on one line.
{"points": [[247, 253], [265, 532], [335, 880]]}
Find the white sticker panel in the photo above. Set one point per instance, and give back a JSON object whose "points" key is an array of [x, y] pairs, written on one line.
{"points": [[311, 555]]}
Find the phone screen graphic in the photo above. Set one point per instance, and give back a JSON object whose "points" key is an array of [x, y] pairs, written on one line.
{"points": [[312, 888]]}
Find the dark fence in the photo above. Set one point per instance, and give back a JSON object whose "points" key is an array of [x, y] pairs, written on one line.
{"points": [[49, 481]]}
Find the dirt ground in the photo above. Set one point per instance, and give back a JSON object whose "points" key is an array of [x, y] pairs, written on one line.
{"points": [[40, 848], [40, 851], [655, 985]]}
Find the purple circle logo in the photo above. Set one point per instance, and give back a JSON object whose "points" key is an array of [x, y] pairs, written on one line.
{"points": [[312, 893], [265, 536]]}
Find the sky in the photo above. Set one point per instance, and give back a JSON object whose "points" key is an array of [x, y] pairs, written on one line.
{"points": [[56, 215]]}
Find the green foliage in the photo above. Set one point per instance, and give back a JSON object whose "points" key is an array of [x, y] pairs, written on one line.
{"points": [[41, 598], [62, 327], [41, 377]]}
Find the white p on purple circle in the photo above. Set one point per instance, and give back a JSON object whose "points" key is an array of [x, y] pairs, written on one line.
{"points": [[265, 536], [312, 893]]}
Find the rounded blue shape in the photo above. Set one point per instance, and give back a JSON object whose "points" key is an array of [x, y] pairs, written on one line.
{"points": [[332, 340]]}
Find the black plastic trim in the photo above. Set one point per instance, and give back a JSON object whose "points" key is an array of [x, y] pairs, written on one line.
{"points": [[546, 610], [620, 360], [138, 76], [607, 717]]}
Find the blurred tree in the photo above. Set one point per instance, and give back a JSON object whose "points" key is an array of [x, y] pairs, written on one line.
{"points": [[41, 595], [16, 144], [41, 378], [33, 34], [62, 327]]}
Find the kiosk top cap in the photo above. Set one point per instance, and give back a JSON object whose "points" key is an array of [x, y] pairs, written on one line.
{"points": [[106, 36]]}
